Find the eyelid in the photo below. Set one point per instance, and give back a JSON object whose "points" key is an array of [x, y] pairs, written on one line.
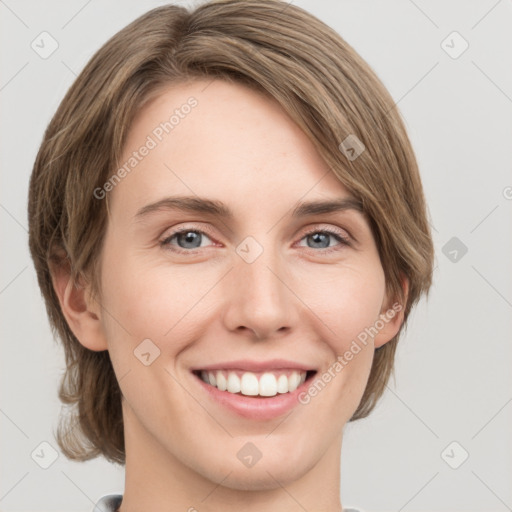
{"points": [[328, 228]]}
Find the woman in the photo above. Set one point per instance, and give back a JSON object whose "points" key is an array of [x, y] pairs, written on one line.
{"points": [[229, 230]]}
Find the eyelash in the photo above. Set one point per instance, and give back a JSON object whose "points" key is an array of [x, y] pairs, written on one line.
{"points": [[343, 241]]}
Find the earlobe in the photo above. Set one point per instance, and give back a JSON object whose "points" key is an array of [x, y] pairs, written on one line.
{"points": [[391, 317], [81, 311]]}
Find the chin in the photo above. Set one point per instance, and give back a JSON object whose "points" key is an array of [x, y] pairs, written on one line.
{"points": [[263, 478], [271, 472]]}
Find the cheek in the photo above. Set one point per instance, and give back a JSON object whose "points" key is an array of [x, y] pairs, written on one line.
{"points": [[156, 302], [345, 300]]}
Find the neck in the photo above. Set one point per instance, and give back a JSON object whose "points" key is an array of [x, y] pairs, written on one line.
{"points": [[159, 480]]}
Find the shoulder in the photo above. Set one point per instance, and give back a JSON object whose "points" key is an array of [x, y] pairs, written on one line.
{"points": [[109, 503]]}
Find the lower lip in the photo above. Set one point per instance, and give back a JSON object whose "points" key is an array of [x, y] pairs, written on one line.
{"points": [[256, 408]]}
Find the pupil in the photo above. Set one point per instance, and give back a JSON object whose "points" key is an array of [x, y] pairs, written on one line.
{"points": [[321, 238], [191, 238]]}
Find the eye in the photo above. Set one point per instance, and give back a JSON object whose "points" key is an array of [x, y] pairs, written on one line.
{"points": [[185, 239], [320, 239]]}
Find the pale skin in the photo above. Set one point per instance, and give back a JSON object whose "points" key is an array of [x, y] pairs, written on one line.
{"points": [[298, 300]]}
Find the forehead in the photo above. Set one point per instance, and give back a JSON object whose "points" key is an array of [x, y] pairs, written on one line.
{"points": [[220, 139]]}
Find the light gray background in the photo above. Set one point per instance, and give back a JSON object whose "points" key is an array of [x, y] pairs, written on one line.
{"points": [[453, 378]]}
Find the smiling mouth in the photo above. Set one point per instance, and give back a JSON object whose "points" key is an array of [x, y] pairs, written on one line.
{"points": [[255, 384]]}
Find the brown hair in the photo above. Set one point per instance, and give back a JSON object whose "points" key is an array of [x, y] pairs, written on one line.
{"points": [[280, 49]]}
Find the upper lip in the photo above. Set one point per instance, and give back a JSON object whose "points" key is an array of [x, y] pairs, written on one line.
{"points": [[256, 366]]}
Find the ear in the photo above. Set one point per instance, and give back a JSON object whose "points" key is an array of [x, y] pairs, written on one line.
{"points": [[392, 315], [81, 311]]}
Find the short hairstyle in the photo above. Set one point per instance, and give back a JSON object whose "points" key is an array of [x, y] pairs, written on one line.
{"points": [[274, 47]]}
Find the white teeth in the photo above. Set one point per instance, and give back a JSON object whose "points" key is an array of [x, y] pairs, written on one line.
{"points": [[233, 383], [282, 384], [249, 384], [222, 383], [268, 384], [293, 381]]}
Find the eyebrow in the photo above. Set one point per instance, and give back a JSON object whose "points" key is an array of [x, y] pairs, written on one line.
{"points": [[219, 209]]}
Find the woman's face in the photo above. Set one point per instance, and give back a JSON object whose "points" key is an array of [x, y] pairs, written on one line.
{"points": [[259, 286]]}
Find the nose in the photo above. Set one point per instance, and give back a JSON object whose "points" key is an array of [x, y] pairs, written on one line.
{"points": [[260, 299]]}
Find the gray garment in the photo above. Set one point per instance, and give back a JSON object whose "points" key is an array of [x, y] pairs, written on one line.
{"points": [[111, 502], [108, 503]]}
